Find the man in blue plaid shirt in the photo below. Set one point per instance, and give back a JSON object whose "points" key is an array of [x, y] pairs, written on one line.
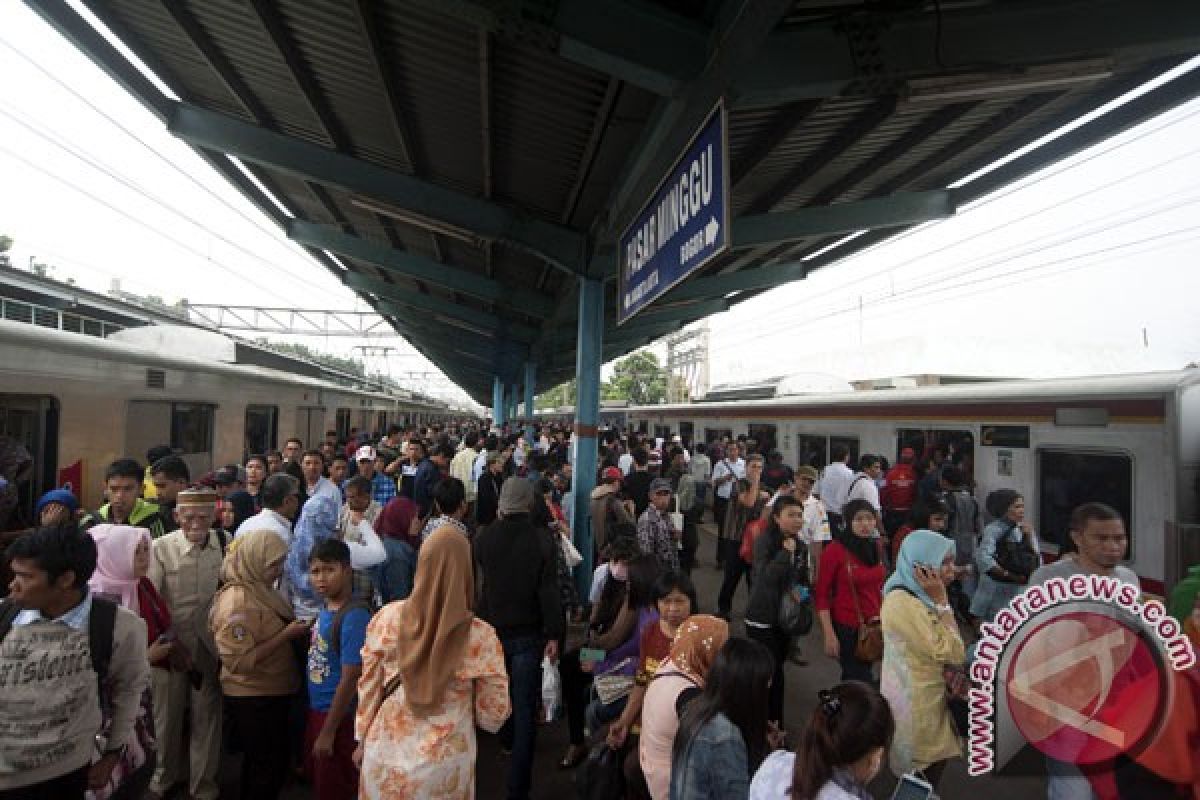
{"points": [[383, 488]]}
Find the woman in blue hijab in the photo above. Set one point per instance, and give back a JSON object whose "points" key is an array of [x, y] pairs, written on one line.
{"points": [[920, 639], [318, 522]]}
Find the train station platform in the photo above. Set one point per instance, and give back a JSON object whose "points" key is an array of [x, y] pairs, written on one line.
{"points": [[1023, 778]]}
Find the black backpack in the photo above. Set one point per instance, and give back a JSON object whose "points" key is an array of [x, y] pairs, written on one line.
{"points": [[101, 622]]}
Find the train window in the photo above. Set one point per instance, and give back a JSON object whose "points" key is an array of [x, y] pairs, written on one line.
{"points": [[381, 422], [686, 432], [1070, 478], [29, 443], [957, 447], [261, 428], [662, 432], [764, 435], [813, 451], [192, 434], [717, 434], [851, 443], [343, 423]]}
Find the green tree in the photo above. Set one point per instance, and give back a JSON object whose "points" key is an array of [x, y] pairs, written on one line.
{"points": [[637, 378], [564, 394], [6, 243]]}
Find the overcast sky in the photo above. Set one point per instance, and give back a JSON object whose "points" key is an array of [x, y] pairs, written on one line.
{"points": [[1096, 253]]}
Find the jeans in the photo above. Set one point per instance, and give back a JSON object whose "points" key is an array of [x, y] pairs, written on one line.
{"points": [[779, 643], [735, 568], [852, 668], [720, 504], [523, 661], [598, 715], [1064, 781]]}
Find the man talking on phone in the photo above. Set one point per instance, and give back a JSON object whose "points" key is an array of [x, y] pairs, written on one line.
{"points": [[185, 568]]}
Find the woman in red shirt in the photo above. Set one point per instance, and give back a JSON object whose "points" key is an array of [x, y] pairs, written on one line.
{"points": [[850, 570]]}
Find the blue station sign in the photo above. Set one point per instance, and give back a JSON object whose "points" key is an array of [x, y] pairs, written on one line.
{"points": [[684, 224]]}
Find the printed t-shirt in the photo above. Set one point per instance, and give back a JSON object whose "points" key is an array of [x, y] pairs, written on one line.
{"points": [[324, 670], [653, 649]]}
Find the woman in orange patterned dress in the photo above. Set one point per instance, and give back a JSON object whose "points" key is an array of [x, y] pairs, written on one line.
{"points": [[431, 672]]}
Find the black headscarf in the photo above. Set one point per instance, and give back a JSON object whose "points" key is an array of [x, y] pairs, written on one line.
{"points": [[863, 548], [243, 508]]}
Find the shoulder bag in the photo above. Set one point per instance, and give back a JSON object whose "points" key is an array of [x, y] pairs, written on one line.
{"points": [[869, 648], [1016, 557]]}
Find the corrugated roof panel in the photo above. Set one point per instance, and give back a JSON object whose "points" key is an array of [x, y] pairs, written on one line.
{"points": [[239, 34], [331, 41], [152, 27], [543, 112], [435, 62]]}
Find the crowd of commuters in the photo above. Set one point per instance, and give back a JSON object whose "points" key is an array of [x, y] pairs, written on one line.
{"points": [[353, 613]]}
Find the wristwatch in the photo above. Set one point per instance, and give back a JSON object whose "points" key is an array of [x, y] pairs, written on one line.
{"points": [[943, 609]]}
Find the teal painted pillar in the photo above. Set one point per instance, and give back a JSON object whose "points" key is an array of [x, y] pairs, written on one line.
{"points": [[512, 404], [530, 382], [584, 449], [498, 409]]}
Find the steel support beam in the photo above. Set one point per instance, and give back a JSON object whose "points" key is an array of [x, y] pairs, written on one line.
{"points": [[906, 208], [530, 386], [418, 268], [584, 447], [498, 415], [677, 120], [815, 61], [557, 245], [512, 403], [410, 297]]}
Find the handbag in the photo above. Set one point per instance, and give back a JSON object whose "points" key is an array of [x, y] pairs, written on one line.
{"points": [[1015, 557], [869, 647], [610, 686], [957, 687], [601, 776], [795, 612]]}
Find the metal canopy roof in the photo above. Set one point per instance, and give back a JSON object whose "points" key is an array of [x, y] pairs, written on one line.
{"points": [[460, 163]]}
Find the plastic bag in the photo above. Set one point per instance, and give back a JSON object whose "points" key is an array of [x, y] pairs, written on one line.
{"points": [[551, 690], [570, 553], [601, 777]]}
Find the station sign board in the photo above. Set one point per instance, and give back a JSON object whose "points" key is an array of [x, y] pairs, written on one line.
{"points": [[682, 226]]}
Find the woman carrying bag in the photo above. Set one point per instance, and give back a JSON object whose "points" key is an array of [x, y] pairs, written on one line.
{"points": [[780, 564], [1007, 554], [849, 594], [432, 671], [921, 639]]}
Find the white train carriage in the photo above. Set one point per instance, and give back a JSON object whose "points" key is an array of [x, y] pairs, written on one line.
{"points": [[79, 402], [1132, 441]]}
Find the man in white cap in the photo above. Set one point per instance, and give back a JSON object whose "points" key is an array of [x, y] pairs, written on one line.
{"points": [[185, 567], [383, 488]]}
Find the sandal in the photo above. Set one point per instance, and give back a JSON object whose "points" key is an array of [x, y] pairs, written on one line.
{"points": [[574, 756]]}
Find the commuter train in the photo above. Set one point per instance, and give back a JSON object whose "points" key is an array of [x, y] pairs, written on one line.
{"points": [[78, 402], [1132, 441]]}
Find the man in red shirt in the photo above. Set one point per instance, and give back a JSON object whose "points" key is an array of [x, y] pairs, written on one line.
{"points": [[899, 491]]}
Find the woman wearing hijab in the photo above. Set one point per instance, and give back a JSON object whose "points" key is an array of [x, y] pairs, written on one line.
{"points": [[122, 561], [432, 671], [393, 578], [253, 627], [1000, 582], [920, 638], [849, 588], [236, 509], [678, 679], [319, 522]]}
